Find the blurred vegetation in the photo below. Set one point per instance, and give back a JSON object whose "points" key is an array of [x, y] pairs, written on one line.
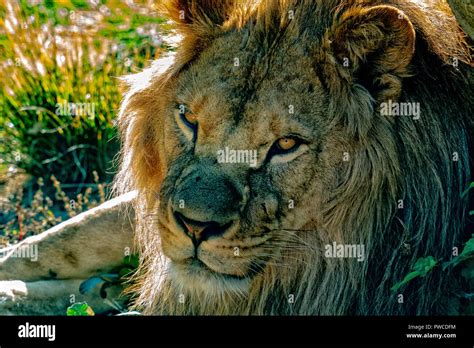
{"points": [[46, 209], [60, 63], [59, 89]]}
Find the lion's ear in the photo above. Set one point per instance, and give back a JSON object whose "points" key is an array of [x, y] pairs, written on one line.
{"points": [[196, 17], [373, 47]]}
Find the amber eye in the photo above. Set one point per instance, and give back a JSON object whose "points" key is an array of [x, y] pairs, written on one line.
{"points": [[286, 144], [188, 118]]}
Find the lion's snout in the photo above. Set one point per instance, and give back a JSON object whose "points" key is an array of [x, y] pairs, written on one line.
{"points": [[206, 202]]}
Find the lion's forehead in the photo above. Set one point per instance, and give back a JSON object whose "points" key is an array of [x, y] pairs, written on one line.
{"points": [[246, 97]]}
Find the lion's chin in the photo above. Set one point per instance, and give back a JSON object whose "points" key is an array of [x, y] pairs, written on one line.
{"points": [[193, 275]]}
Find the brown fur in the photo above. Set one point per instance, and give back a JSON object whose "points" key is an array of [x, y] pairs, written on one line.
{"points": [[397, 50]]}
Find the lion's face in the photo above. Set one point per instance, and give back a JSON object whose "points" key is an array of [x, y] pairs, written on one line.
{"points": [[221, 221]]}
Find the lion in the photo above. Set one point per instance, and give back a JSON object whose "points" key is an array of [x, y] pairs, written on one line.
{"points": [[359, 116]]}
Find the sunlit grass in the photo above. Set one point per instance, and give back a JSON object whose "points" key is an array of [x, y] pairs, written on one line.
{"points": [[48, 60], [60, 63]]}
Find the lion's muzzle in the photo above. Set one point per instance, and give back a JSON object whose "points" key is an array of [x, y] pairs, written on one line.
{"points": [[206, 202]]}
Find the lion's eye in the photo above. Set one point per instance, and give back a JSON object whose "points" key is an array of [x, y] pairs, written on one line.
{"points": [[188, 118], [285, 145], [286, 149], [187, 121]]}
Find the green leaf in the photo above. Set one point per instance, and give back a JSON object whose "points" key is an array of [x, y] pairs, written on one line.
{"points": [[421, 268], [132, 260], [80, 4], [80, 309], [405, 280], [468, 250], [467, 253], [424, 264], [125, 272]]}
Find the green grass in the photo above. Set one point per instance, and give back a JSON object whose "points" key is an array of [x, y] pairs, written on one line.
{"points": [[49, 58]]}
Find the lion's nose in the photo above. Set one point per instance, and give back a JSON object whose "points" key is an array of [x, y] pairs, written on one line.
{"points": [[199, 231], [206, 201]]}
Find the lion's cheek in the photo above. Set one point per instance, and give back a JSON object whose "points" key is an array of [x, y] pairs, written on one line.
{"points": [[176, 248], [227, 262]]}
